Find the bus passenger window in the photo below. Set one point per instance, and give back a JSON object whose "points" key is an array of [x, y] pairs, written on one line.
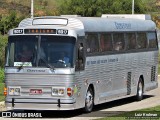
{"points": [[131, 39], [119, 42], [152, 40], [92, 43], [106, 42], [141, 40]]}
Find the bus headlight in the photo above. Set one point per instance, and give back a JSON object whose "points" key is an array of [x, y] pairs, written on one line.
{"points": [[58, 91], [14, 91]]}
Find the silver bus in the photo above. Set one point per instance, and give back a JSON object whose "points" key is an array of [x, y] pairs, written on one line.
{"points": [[72, 62]]}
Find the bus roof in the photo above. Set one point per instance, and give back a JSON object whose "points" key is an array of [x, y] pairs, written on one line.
{"points": [[91, 24]]}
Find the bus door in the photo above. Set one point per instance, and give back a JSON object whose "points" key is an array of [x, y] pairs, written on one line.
{"points": [[80, 74]]}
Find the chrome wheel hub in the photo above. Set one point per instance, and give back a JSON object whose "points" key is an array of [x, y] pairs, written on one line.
{"points": [[89, 99], [140, 91]]}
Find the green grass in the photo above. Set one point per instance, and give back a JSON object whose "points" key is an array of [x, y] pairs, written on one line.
{"points": [[123, 116]]}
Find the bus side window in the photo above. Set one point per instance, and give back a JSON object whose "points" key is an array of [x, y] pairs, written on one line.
{"points": [[80, 57], [131, 39], [119, 42], [92, 43], [106, 42], [141, 40], [152, 40]]}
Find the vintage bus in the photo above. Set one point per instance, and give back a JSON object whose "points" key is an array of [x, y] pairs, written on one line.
{"points": [[72, 62]]}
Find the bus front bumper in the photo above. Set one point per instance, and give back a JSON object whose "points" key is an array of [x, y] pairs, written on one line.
{"points": [[40, 104]]}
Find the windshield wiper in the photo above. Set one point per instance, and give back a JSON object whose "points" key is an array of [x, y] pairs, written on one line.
{"points": [[20, 67], [47, 64]]}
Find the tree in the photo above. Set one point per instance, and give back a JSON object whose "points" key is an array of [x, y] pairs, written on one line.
{"points": [[3, 44], [99, 7], [45, 3], [40, 2], [9, 22]]}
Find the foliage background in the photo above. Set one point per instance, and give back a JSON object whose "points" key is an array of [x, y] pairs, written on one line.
{"points": [[99, 7], [13, 11]]}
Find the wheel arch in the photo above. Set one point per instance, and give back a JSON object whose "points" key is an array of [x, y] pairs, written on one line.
{"points": [[92, 87]]}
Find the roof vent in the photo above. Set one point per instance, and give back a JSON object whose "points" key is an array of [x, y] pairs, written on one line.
{"points": [[133, 16], [70, 15], [50, 21]]}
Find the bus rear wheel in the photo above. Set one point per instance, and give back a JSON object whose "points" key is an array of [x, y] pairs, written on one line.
{"points": [[89, 100], [139, 95]]}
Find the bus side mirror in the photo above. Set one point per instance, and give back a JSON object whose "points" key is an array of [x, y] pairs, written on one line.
{"points": [[80, 57], [80, 53]]}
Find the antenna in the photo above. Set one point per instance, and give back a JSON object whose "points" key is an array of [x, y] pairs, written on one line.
{"points": [[32, 13]]}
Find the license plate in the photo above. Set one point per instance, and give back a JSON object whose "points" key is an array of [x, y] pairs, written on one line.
{"points": [[35, 91]]}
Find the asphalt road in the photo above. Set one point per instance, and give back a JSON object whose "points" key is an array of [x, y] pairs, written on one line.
{"points": [[151, 99]]}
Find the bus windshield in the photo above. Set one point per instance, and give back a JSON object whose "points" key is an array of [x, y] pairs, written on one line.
{"points": [[41, 51]]}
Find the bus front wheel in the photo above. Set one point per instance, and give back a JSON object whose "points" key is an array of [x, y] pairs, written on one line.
{"points": [[89, 100], [139, 95]]}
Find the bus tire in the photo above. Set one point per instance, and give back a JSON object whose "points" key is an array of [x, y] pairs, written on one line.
{"points": [[140, 86], [89, 100]]}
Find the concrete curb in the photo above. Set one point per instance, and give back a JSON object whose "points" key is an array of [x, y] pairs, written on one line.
{"points": [[1, 102], [2, 106]]}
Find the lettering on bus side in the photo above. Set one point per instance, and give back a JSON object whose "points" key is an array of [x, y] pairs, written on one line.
{"points": [[123, 25], [29, 70], [110, 60]]}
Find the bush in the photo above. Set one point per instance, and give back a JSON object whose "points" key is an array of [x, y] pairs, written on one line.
{"points": [[1, 75], [8, 22], [3, 43]]}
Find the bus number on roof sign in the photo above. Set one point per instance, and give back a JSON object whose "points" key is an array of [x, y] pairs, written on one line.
{"points": [[18, 31], [60, 31]]}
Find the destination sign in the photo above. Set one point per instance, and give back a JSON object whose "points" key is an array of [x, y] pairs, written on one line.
{"points": [[40, 31], [46, 31]]}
